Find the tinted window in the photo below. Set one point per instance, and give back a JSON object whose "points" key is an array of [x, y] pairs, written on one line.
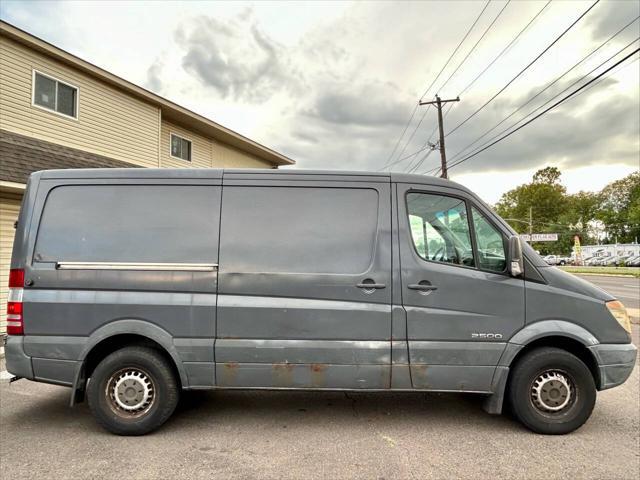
{"points": [[490, 243], [122, 223], [298, 230], [440, 228]]}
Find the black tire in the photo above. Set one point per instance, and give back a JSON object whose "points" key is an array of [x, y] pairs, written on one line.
{"points": [[555, 369], [144, 375]]}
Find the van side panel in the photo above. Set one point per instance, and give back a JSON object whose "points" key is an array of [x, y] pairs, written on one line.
{"points": [[290, 312], [80, 231]]}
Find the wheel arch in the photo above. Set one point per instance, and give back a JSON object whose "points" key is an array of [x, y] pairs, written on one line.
{"points": [[116, 335], [553, 333], [547, 333], [563, 342]]}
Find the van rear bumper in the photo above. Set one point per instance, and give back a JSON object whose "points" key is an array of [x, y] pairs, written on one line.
{"points": [[18, 363], [615, 363]]}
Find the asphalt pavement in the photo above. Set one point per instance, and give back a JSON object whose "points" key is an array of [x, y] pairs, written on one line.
{"points": [[625, 289], [235, 434]]}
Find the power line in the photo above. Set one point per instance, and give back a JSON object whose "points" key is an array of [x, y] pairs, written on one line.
{"points": [[424, 147], [509, 45], [457, 48], [471, 50], [413, 113], [564, 99], [524, 69], [576, 92], [544, 89], [552, 98], [426, 155], [470, 84], [415, 108]]}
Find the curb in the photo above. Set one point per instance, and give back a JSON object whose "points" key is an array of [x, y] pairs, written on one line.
{"points": [[5, 377], [619, 275]]}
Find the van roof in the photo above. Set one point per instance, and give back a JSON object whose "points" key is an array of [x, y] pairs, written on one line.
{"points": [[242, 173]]}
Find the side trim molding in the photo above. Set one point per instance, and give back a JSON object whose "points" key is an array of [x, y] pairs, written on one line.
{"points": [[184, 267]]}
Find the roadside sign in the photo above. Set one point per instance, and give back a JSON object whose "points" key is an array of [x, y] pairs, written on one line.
{"points": [[540, 237], [577, 249]]}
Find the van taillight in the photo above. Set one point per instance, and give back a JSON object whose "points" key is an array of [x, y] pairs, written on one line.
{"points": [[15, 324]]}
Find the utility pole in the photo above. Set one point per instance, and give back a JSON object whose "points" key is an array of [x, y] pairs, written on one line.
{"points": [[443, 155], [530, 222]]}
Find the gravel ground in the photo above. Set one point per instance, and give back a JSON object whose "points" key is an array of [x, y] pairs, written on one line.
{"points": [[237, 434]]}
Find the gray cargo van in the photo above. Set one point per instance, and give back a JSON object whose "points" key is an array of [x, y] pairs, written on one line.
{"points": [[131, 285]]}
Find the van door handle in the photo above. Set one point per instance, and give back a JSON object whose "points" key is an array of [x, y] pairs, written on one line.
{"points": [[371, 285], [423, 287]]}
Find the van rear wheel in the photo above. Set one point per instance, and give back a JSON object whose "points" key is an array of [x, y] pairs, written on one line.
{"points": [[551, 391], [132, 391]]}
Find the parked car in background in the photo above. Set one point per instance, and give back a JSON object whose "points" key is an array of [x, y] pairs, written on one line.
{"points": [[584, 261], [595, 261], [632, 261], [557, 260]]}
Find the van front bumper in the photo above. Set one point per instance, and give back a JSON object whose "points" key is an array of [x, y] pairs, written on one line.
{"points": [[18, 363], [615, 363]]}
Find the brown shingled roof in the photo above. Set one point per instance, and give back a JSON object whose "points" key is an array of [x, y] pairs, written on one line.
{"points": [[20, 156]]}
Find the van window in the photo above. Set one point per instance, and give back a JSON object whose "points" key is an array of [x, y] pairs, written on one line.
{"points": [[440, 228], [129, 223], [298, 230], [490, 243]]}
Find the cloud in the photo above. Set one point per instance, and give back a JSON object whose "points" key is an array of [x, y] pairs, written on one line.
{"points": [[155, 74], [371, 104], [234, 57], [333, 87], [609, 17], [565, 136]]}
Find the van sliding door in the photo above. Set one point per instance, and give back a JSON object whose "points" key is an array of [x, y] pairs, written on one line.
{"points": [[304, 283]]}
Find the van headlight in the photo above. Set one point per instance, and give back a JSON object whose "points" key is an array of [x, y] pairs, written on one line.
{"points": [[619, 313]]}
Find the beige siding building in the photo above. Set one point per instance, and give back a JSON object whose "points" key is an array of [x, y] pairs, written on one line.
{"points": [[59, 111]]}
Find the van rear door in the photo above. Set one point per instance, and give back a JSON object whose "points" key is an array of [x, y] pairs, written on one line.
{"points": [[304, 282]]}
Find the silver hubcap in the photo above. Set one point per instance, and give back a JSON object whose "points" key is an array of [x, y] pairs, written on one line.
{"points": [[131, 392], [551, 391]]}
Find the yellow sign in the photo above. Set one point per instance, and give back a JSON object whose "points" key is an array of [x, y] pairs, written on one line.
{"points": [[577, 249]]}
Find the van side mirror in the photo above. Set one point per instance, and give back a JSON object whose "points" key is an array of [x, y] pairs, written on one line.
{"points": [[516, 262]]}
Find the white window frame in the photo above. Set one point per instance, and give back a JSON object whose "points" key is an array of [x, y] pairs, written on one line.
{"points": [[182, 137], [57, 80]]}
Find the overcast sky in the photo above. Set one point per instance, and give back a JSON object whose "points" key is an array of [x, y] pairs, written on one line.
{"points": [[332, 85]]}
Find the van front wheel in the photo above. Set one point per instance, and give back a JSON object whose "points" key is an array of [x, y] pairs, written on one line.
{"points": [[551, 391], [132, 391]]}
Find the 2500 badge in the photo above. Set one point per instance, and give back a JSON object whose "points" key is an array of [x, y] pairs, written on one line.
{"points": [[487, 336]]}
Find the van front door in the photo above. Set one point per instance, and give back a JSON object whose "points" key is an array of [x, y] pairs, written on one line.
{"points": [[304, 282], [461, 303]]}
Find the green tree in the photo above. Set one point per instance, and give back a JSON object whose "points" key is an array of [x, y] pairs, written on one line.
{"points": [[620, 209], [581, 208], [547, 199]]}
